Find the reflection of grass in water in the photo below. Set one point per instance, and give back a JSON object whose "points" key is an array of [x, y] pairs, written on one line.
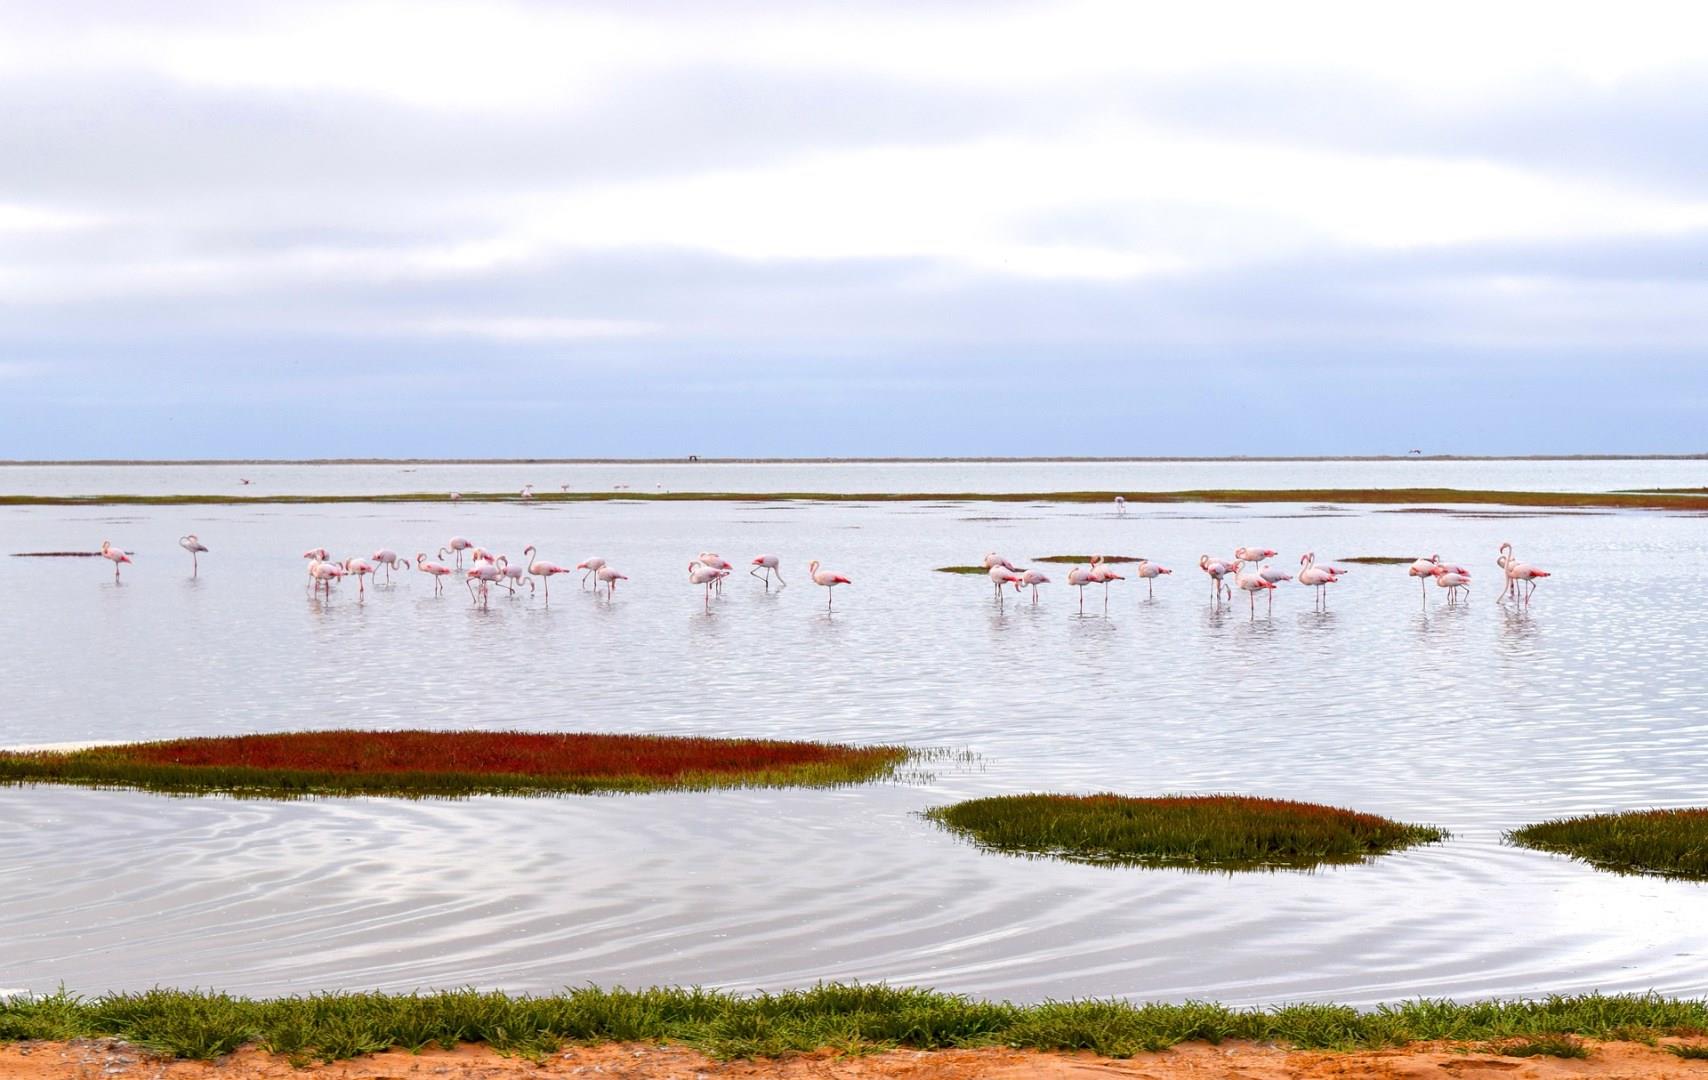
{"points": [[1211, 832], [849, 1018], [1672, 843], [1427, 497], [1380, 560], [420, 764]]}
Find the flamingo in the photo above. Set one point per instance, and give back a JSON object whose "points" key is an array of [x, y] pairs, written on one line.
{"points": [[1517, 572], [1452, 580], [1254, 554], [1318, 577], [485, 573], [458, 545], [439, 571], [1000, 576], [1120, 506], [511, 576], [542, 570], [610, 576], [827, 579], [361, 568], [1150, 572], [456, 496], [1102, 573], [527, 491], [323, 574], [389, 559], [701, 574], [714, 561], [1034, 578], [771, 565], [1217, 571], [318, 554], [1079, 577], [592, 566], [117, 555], [993, 559], [192, 545], [1251, 583]]}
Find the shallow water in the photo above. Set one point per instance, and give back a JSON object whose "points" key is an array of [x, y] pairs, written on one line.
{"points": [[1478, 719]]}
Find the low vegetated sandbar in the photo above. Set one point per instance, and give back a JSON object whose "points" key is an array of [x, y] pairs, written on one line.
{"points": [[1380, 560], [1628, 500], [1088, 558], [1670, 843], [1208, 832], [451, 764], [848, 1018]]}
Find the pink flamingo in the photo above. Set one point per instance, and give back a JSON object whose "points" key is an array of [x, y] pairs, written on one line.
{"points": [[389, 559], [542, 570], [192, 545], [361, 568], [484, 572], [827, 579], [1079, 577], [323, 574], [992, 559], [1451, 579], [1217, 571], [1002, 575], [1251, 583], [1034, 578], [1517, 572], [527, 491], [715, 561], [609, 575], [1253, 554], [316, 553], [116, 555], [1424, 569], [701, 574], [458, 545], [771, 565], [592, 566], [1318, 577], [1100, 572], [1150, 571], [511, 576], [439, 571]]}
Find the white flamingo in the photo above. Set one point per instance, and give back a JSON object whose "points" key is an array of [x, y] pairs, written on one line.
{"points": [[771, 565], [193, 546], [826, 579]]}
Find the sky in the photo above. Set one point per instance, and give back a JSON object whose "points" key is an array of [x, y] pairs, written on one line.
{"points": [[921, 228]]}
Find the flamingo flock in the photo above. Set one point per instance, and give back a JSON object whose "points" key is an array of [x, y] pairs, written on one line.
{"points": [[1248, 570]]}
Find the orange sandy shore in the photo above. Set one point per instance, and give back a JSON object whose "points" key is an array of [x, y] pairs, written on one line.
{"points": [[100, 1059]]}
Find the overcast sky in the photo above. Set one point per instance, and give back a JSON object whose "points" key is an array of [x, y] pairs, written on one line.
{"points": [[927, 227]]}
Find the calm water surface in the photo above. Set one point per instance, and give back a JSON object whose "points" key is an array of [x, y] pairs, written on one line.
{"points": [[1478, 719]]}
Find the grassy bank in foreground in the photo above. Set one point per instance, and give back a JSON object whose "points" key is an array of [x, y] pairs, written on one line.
{"points": [[1671, 843], [420, 764], [1612, 500], [1203, 832], [850, 1018]]}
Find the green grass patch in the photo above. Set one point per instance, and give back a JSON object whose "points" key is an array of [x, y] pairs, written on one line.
{"points": [[1087, 558], [449, 764], [963, 570], [329, 1027], [1380, 560], [1427, 497], [1208, 832], [1689, 1051], [1672, 843]]}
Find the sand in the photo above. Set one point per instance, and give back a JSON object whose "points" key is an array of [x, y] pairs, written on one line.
{"points": [[100, 1059]]}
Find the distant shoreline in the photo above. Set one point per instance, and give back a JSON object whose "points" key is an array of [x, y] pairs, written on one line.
{"points": [[27, 462]]}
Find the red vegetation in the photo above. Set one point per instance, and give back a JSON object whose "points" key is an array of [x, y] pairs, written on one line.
{"points": [[496, 752]]}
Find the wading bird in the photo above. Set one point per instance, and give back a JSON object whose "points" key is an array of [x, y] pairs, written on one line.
{"points": [[527, 491], [1000, 576], [323, 573], [509, 576], [1150, 571], [1217, 571], [771, 565], [542, 570], [592, 566], [458, 545], [1079, 577], [361, 568], [701, 574], [1274, 577], [609, 575], [484, 572], [1120, 506], [1253, 554], [993, 559], [1103, 574], [316, 553], [192, 545], [1517, 572], [1318, 577], [1034, 578], [1251, 582], [389, 559], [715, 561], [439, 571], [117, 556], [827, 579], [1451, 579]]}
